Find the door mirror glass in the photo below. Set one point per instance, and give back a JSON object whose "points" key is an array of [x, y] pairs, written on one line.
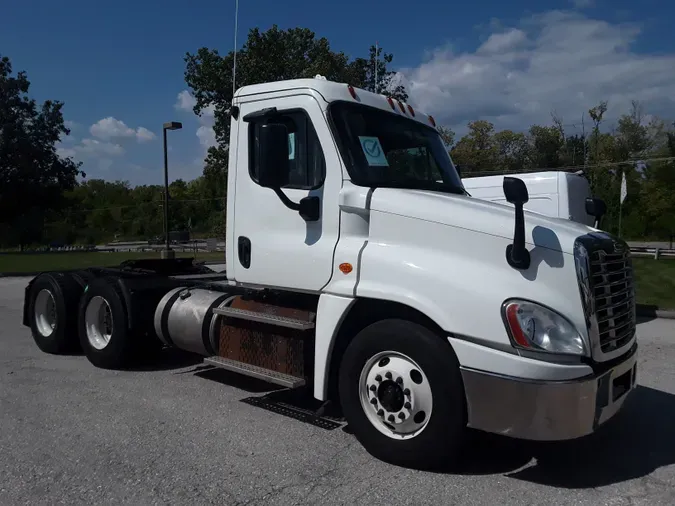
{"points": [[274, 155], [515, 190], [596, 207]]}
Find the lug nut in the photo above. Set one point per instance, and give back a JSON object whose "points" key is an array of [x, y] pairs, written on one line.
{"points": [[406, 405], [391, 418], [378, 378], [373, 388], [399, 380], [373, 401], [387, 375], [380, 412], [406, 392], [401, 416]]}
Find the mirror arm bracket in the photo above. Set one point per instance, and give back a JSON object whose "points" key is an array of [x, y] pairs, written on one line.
{"points": [[517, 254], [285, 200]]}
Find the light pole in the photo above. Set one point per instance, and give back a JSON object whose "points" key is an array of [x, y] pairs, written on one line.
{"points": [[167, 252]]}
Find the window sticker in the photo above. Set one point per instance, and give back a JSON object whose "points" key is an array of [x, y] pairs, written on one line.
{"points": [[291, 146], [373, 150]]}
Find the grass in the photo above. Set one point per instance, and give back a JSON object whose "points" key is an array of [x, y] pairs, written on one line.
{"points": [[655, 282], [655, 279], [16, 263]]}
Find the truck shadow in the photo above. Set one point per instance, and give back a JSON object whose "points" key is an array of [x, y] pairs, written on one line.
{"points": [[646, 313], [168, 359], [297, 404], [636, 443], [547, 249]]}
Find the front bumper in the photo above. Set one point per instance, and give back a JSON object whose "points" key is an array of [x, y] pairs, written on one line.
{"points": [[547, 411]]}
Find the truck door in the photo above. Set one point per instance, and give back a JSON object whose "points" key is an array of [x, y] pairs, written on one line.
{"points": [[274, 245]]}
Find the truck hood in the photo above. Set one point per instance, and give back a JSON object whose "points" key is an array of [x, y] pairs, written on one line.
{"points": [[478, 215]]}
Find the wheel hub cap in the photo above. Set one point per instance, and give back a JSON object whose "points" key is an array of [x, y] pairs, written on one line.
{"points": [[45, 313], [395, 395], [390, 396], [98, 322]]}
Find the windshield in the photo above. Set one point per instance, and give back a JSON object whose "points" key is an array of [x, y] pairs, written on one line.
{"points": [[383, 149]]}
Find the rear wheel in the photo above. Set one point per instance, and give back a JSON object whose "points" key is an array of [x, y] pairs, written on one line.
{"points": [[52, 312], [402, 394], [103, 326]]}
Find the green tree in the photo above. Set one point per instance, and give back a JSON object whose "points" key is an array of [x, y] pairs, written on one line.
{"points": [[268, 56], [31, 171], [447, 135], [547, 146], [513, 150], [477, 151], [362, 74]]}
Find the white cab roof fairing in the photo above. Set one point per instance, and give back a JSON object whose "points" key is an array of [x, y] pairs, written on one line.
{"points": [[332, 91]]}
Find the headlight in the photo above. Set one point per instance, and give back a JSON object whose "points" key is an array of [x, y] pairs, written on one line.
{"points": [[537, 328]]}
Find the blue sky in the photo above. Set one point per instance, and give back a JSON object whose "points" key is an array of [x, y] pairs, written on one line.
{"points": [[509, 62]]}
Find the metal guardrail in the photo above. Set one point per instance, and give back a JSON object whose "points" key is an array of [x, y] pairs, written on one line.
{"points": [[655, 253]]}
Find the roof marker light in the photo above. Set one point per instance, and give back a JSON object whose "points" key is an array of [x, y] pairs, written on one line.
{"points": [[352, 92], [391, 103], [431, 120], [400, 104], [411, 110]]}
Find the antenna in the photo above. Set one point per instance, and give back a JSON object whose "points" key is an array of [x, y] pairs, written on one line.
{"points": [[234, 66], [376, 50]]}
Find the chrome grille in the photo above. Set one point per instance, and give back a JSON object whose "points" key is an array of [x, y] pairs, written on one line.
{"points": [[612, 292]]}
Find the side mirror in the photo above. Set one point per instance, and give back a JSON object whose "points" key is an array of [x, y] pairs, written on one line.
{"points": [[516, 193], [596, 207], [273, 155]]}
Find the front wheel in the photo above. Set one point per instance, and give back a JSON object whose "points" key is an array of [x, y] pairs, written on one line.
{"points": [[402, 394]]}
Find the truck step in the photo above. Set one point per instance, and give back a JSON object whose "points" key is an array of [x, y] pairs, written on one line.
{"points": [[278, 378], [280, 321]]}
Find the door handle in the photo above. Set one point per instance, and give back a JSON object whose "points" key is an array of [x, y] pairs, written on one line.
{"points": [[244, 251]]}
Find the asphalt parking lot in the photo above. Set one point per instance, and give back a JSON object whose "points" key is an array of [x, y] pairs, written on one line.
{"points": [[179, 434]]}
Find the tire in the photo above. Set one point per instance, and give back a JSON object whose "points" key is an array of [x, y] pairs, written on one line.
{"points": [[103, 326], [439, 435], [52, 312]]}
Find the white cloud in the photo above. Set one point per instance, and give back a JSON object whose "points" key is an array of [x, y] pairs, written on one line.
{"points": [[66, 152], [144, 135], [556, 60], [502, 42], [91, 148], [206, 136], [104, 164], [185, 102], [111, 128], [96, 147]]}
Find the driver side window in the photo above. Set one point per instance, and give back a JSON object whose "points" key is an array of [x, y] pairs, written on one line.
{"points": [[307, 165]]}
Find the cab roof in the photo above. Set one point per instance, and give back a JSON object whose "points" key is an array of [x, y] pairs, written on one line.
{"points": [[332, 91]]}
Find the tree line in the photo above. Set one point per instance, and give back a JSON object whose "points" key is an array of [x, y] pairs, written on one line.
{"points": [[42, 201]]}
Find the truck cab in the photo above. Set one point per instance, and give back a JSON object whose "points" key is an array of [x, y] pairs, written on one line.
{"points": [[558, 194], [358, 267]]}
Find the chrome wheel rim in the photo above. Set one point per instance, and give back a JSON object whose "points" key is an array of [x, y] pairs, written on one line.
{"points": [[395, 395], [98, 322], [45, 313]]}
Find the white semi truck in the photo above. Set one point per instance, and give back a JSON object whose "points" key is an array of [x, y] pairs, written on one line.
{"points": [[353, 272], [558, 193]]}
